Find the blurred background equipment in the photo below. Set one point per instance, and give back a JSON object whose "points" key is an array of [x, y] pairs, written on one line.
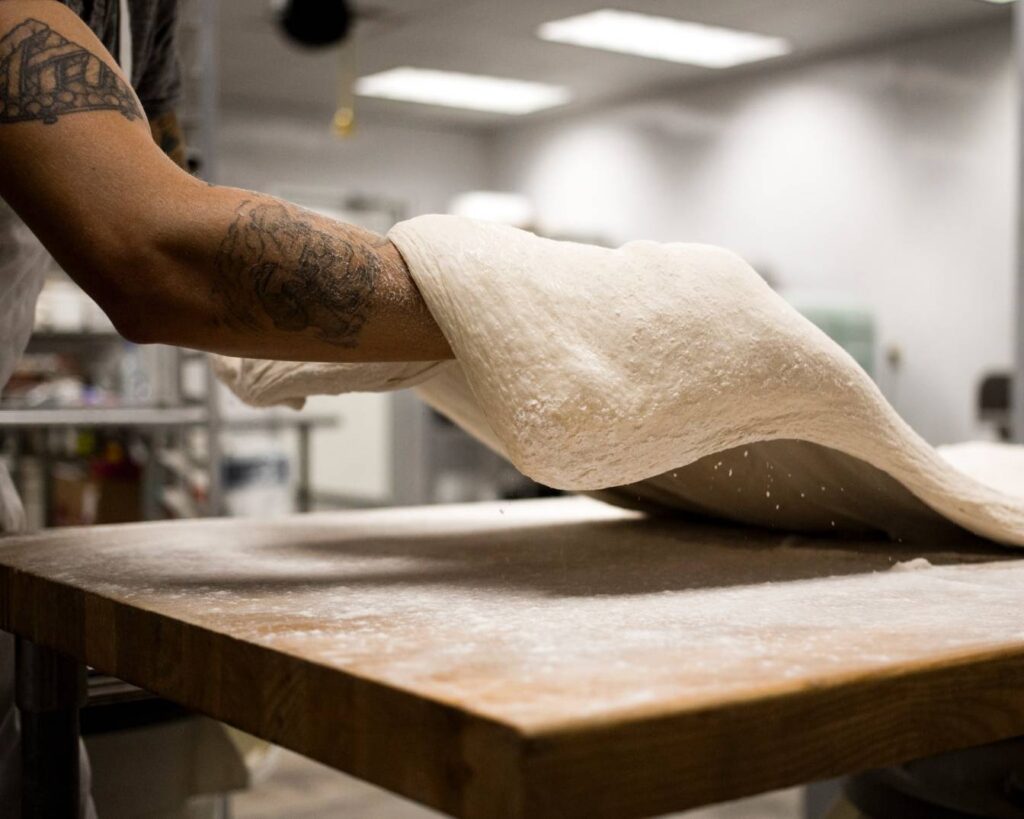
{"points": [[995, 404]]}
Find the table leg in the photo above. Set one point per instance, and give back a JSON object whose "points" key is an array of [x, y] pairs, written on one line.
{"points": [[50, 688]]}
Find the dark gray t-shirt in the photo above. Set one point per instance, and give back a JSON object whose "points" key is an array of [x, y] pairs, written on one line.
{"points": [[156, 72]]}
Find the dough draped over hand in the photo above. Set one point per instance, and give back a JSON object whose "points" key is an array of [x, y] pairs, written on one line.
{"points": [[661, 376]]}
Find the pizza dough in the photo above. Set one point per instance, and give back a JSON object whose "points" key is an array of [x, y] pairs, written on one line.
{"points": [[661, 376]]}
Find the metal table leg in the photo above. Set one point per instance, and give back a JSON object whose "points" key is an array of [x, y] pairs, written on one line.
{"points": [[50, 688], [305, 499]]}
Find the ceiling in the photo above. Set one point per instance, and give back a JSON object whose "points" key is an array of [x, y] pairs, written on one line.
{"points": [[260, 70]]}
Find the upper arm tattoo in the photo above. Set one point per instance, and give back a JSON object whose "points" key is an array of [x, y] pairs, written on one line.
{"points": [[44, 76], [277, 262]]}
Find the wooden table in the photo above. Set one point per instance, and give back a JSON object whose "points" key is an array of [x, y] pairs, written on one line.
{"points": [[542, 658]]}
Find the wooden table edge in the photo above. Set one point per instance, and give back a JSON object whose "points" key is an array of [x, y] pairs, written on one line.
{"points": [[849, 724]]}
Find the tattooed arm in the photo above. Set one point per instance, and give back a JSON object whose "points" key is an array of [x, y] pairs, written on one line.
{"points": [[169, 258]]}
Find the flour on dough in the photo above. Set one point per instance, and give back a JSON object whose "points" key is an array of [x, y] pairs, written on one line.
{"points": [[659, 375]]}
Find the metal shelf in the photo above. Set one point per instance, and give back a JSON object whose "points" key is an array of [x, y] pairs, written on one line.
{"points": [[104, 417], [74, 337], [272, 420], [177, 502], [195, 476]]}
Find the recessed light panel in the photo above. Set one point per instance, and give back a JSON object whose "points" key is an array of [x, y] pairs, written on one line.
{"points": [[453, 89], [663, 38]]}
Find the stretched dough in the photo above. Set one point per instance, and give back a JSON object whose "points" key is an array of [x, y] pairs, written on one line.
{"points": [[658, 376]]}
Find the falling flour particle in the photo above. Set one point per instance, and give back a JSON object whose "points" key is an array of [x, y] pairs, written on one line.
{"points": [[912, 565]]}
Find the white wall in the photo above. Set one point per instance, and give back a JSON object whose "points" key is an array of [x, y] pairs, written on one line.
{"points": [[423, 169], [888, 175]]}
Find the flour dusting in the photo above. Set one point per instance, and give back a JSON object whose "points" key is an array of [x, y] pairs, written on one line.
{"points": [[539, 611]]}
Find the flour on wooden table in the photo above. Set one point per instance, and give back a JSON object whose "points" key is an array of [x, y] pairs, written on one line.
{"points": [[537, 612], [592, 369]]}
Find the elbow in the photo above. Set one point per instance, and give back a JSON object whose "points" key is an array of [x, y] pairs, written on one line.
{"points": [[134, 315], [134, 324], [132, 292]]}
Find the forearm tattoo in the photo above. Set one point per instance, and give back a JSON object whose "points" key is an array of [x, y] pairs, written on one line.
{"points": [[277, 262], [44, 76]]}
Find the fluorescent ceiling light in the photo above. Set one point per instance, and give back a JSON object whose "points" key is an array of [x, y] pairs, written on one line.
{"points": [[455, 90], [663, 38]]}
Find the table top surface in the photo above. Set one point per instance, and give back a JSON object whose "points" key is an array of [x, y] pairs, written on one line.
{"points": [[543, 658]]}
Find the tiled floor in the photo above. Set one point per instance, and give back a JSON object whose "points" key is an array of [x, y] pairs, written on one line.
{"points": [[297, 788]]}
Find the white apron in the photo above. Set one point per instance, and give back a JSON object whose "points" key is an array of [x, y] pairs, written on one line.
{"points": [[23, 265]]}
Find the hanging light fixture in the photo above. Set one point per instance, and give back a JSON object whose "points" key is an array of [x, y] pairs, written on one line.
{"points": [[319, 24], [315, 23]]}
